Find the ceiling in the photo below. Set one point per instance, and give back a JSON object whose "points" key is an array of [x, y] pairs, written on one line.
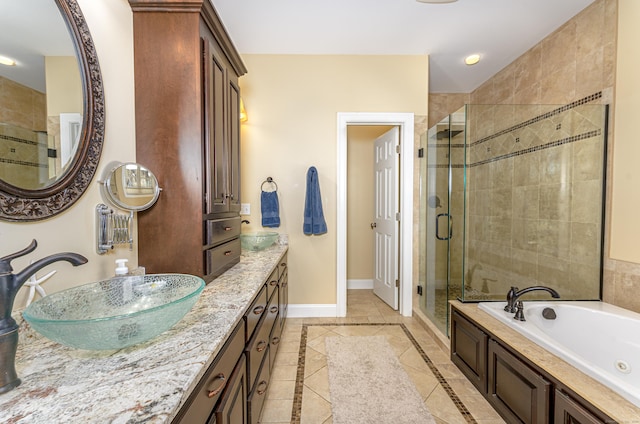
{"points": [[499, 30]]}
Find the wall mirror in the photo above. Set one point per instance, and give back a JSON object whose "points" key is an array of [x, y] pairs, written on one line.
{"points": [[51, 108], [131, 186]]}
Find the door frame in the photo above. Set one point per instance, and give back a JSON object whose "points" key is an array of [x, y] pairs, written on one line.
{"points": [[405, 263]]}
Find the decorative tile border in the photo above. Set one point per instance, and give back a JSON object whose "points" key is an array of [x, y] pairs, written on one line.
{"points": [[524, 124], [296, 411]]}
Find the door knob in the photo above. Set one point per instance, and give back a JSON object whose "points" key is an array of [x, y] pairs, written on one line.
{"points": [[373, 225]]}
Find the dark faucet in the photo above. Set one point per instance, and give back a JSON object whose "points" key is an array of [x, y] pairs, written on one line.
{"points": [[514, 294], [9, 285]]}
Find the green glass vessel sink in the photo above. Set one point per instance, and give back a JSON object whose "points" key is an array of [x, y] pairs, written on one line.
{"points": [[115, 313], [259, 240]]}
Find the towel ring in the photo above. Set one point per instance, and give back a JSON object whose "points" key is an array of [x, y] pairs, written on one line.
{"points": [[269, 180]]}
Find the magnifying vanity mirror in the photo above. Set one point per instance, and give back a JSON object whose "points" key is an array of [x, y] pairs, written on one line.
{"points": [[52, 109], [131, 187], [128, 186]]}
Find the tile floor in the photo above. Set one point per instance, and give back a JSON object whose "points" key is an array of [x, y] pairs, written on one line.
{"points": [[299, 388]]}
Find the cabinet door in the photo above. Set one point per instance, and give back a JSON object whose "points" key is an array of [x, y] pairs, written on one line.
{"points": [[568, 411], [233, 144], [518, 393], [232, 408], [469, 350], [215, 127]]}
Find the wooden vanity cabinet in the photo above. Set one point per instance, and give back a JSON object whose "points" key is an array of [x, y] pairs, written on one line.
{"points": [[517, 389], [233, 389], [187, 102]]}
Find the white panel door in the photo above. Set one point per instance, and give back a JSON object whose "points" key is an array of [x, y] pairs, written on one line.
{"points": [[385, 224]]}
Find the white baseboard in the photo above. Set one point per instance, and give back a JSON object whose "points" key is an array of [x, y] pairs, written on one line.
{"points": [[359, 284], [312, 311]]}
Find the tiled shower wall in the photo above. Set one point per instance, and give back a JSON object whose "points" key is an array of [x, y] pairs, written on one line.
{"points": [[573, 62], [23, 140], [534, 205]]}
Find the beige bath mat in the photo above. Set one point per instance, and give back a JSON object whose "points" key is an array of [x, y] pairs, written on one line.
{"points": [[367, 384]]}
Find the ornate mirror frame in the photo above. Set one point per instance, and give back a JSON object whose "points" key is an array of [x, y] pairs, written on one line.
{"points": [[22, 205]]}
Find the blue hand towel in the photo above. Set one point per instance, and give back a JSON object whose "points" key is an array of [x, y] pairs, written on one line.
{"points": [[270, 209], [313, 217]]}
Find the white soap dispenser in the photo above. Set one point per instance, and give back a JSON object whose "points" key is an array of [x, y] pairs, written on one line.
{"points": [[121, 267], [122, 272]]}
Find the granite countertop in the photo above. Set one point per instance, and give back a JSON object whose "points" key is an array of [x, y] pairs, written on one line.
{"points": [[148, 382], [602, 397]]}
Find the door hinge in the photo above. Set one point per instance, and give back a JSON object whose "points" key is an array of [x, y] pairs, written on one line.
{"points": [[397, 283], [397, 216], [421, 152], [397, 148]]}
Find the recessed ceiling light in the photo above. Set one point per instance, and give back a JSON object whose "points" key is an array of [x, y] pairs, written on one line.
{"points": [[436, 1], [7, 61], [472, 59]]}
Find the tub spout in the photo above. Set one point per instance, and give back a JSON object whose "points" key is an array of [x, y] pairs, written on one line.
{"points": [[513, 295], [9, 285]]}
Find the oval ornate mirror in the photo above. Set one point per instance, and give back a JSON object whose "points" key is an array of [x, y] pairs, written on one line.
{"points": [[132, 187], [52, 109]]}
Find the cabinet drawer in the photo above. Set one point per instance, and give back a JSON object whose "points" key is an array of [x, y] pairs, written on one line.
{"points": [[216, 379], [274, 341], [283, 293], [272, 283], [221, 258], [233, 408], [218, 230], [258, 394], [255, 312], [257, 349], [282, 265]]}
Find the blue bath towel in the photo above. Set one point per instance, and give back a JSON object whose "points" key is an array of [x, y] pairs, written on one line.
{"points": [[270, 209], [313, 217]]}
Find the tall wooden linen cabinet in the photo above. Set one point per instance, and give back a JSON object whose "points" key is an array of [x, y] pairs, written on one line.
{"points": [[188, 133]]}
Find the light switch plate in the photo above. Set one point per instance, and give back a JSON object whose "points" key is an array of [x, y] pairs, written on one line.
{"points": [[245, 208]]}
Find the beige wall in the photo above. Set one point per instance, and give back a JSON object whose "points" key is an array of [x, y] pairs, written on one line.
{"points": [[292, 102], [622, 273], [110, 23], [360, 202], [64, 87], [625, 225]]}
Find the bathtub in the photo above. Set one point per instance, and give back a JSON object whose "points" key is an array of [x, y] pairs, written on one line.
{"points": [[599, 339]]}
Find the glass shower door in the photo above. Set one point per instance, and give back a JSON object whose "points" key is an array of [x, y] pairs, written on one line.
{"points": [[436, 223]]}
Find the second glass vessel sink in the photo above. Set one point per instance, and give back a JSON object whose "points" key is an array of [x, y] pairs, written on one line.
{"points": [[115, 313], [259, 240]]}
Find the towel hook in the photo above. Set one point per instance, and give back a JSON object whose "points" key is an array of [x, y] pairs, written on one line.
{"points": [[269, 180]]}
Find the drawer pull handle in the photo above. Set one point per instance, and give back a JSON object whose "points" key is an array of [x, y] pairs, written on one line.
{"points": [[261, 388], [273, 309], [275, 340], [273, 282], [262, 345], [258, 310], [217, 390], [227, 253], [228, 228]]}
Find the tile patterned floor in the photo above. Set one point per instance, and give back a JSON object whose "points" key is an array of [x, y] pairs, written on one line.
{"points": [[299, 388]]}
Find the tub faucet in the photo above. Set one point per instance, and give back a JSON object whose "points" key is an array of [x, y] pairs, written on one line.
{"points": [[514, 294], [9, 285]]}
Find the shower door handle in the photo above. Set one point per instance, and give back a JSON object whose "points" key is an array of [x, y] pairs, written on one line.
{"points": [[448, 237]]}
